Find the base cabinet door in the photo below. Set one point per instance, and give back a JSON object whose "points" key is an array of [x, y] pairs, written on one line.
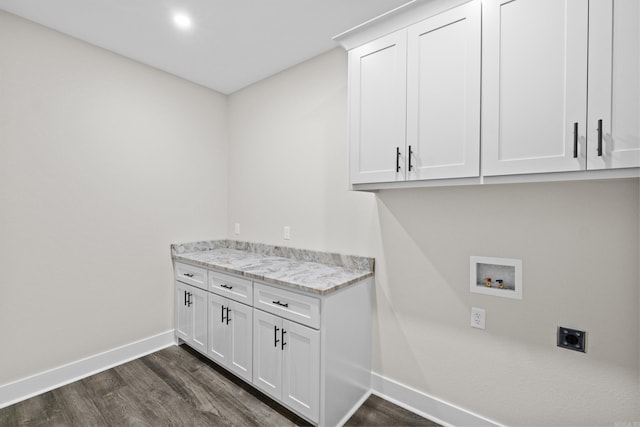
{"points": [[191, 316], [267, 357], [230, 335], [287, 363], [218, 348], [241, 340], [301, 369], [184, 327]]}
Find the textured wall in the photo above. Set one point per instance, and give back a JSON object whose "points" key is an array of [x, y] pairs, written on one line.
{"points": [[103, 163]]}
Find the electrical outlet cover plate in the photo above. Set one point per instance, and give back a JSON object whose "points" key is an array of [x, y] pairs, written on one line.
{"points": [[478, 317], [572, 339]]}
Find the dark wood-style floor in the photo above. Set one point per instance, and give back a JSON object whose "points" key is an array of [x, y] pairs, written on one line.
{"points": [[175, 387]]}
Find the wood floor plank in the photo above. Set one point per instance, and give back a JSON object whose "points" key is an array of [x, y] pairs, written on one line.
{"points": [[74, 403], [379, 412], [42, 410], [175, 387]]}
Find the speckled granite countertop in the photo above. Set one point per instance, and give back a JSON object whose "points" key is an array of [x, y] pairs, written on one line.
{"points": [[310, 271]]}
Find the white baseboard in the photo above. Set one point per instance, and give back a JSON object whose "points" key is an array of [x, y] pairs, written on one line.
{"points": [[437, 410], [34, 385]]}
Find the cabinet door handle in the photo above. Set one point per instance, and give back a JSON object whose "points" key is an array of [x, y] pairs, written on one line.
{"points": [[228, 318], [222, 314], [575, 140], [397, 159], [275, 336], [185, 298], [226, 286], [410, 154], [600, 138], [188, 274], [189, 294], [283, 343], [281, 304]]}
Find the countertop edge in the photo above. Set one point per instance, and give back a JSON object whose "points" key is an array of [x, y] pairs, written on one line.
{"points": [[304, 255], [322, 292]]}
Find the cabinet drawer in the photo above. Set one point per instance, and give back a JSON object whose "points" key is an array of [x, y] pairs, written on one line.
{"points": [[289, 305], [232, 287], [190, 274]]}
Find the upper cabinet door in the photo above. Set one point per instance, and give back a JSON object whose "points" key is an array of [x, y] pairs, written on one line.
{"points": [[377, 97], [443, 95], [614, 84], [534, 86]]}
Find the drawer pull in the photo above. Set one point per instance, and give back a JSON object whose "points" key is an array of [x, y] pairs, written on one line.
{"points": [[275, 336], [281, 304], [226, 286], [188, 274]]}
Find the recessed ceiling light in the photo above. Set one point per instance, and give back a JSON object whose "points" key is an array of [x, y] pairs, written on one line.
{"points": [[182, 20]]}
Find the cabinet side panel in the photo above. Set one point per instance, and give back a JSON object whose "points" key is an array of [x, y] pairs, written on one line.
{"points": [[346, 350]]}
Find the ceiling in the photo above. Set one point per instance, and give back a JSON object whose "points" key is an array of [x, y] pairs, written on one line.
{"points": [[231, 43]]}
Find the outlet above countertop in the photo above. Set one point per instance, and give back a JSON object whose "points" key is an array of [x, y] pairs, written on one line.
{"points": [[310, 271]]}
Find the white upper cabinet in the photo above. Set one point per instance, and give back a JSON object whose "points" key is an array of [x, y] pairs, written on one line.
{"points": [[534, 86], [443, 95], [414, 101], [613, 135], [491, 91], [560, 86], [377, 97]]}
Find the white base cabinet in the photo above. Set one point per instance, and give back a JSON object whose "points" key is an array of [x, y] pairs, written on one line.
{"points": [[191, 316], [287, 363], [311, 353], [230, 335]]}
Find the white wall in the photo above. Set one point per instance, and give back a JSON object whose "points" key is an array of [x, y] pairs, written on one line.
{"points": [[578, 242], [103, 163]]}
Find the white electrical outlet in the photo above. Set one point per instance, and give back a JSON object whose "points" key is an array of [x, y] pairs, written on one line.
{"points": [[237, 228], [478, 317], [287, 232]]}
